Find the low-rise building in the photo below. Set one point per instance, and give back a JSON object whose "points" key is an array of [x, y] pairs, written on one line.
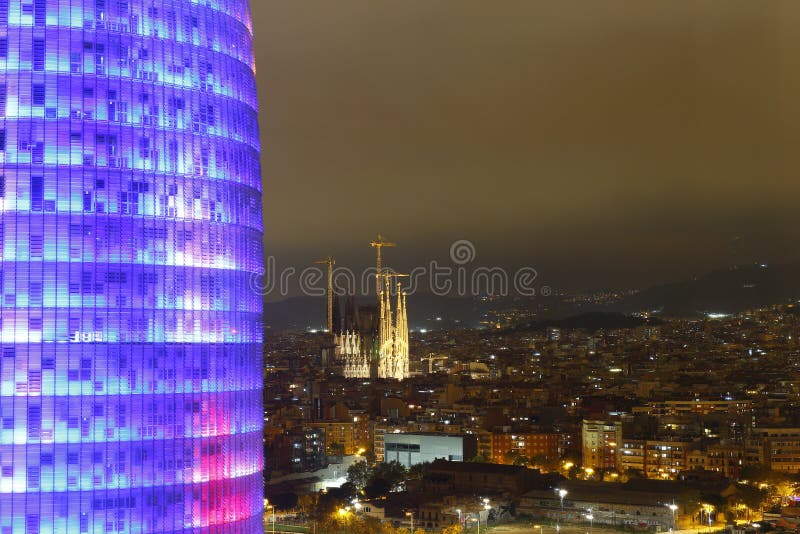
{"points": [[479, 478], [665, 458], [414, 448], [636, 504], [631, 456]]}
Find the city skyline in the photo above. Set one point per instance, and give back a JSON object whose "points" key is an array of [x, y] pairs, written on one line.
{"points": [[603, 150], [472, 208]]}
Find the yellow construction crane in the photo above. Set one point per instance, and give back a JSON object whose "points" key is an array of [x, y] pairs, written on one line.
{"points": [[330, 262], [379, 243]]}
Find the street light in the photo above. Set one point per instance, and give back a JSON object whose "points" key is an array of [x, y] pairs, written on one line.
{"points": [[590, 517], [411, 515], [458, 510], [561, 494], [672, 507], [486, 507], [708, 508], [272, 507], [343, 517]]}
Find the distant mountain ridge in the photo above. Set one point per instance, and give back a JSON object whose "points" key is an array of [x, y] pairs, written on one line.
{"points": [[729, 290], [723, 291], [591, 321]]}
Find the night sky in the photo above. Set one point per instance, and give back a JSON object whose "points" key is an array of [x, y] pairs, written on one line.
{"points": [[605, 143]]}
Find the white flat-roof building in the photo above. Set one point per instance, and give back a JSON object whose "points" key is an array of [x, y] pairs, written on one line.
{"points": [[415, 448]]}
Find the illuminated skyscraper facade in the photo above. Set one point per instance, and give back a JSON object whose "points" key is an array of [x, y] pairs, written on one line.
{"points": [[130, 229]]}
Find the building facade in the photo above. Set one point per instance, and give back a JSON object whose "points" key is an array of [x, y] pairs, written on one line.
{"points": [[340, 437], [538, 449], [666, 458], [633, 506], [631, 456], [601, 441], [131, 230], [415, 448], [780, 446]]}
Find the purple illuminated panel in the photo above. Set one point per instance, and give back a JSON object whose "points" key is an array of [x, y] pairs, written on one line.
{"points": [[130, 229]]}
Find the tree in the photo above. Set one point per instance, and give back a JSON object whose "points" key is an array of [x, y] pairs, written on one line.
{"points": [[521, 459], [417, 471], [750, 497], [346, 492], [452, 529], [284, 501], [755, 473], [631, 474], [784, 489], [359, 474], [516, 458], [689, 501], [394, 473], [378, 487], [720, 503], [543, 461], [307, 504], [478, 459]]}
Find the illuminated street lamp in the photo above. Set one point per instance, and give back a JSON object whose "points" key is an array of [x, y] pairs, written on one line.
{"points": [[269, 506], [590, 517], [458, 510], [672, 507], [343, 512], [561, 494], [487, 507], [708, 508], [411, 515], [343, 515]]}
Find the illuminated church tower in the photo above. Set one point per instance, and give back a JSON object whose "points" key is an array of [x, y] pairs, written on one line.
{"points": [[393, 336], [130, 225]]}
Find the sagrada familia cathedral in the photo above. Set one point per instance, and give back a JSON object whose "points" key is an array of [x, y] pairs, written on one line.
{"points": [[373, 341]]}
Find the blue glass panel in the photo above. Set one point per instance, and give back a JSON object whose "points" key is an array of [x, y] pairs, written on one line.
{"points": [[130, 231]]}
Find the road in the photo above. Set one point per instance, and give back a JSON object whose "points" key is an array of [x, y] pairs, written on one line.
{"points": [[519, 528]]}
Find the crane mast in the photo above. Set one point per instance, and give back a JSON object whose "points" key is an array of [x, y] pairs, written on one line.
{"points": [[330, 262], [378, 244]]}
